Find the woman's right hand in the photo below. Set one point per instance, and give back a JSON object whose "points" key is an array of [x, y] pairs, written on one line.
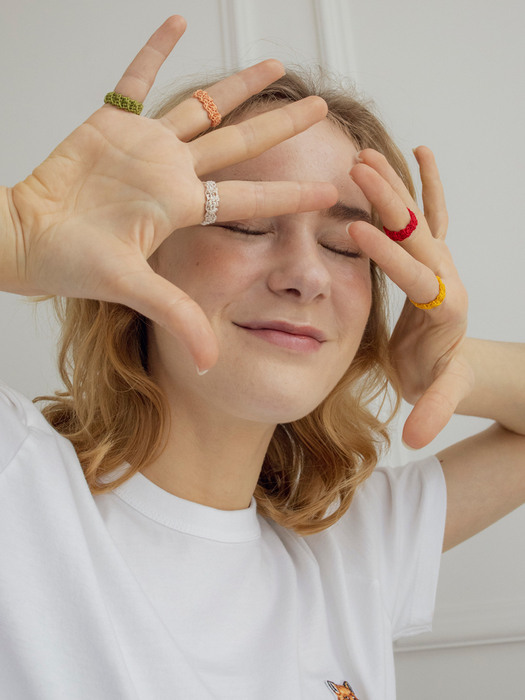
{"points": [[88, 218]]}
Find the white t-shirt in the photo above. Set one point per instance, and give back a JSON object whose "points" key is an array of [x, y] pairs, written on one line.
{"points": [[138, 594]]}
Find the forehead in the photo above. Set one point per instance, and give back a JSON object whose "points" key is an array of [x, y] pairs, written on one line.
{"points": [[321, 153]]}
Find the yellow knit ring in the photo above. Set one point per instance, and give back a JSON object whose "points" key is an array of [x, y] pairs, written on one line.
{"points": [[435, 302]]}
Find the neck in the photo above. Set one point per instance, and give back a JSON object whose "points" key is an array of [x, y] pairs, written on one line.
{"points": [[211, 459]]}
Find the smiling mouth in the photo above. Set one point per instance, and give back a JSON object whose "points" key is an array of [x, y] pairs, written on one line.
{"points": [[286, 335]]}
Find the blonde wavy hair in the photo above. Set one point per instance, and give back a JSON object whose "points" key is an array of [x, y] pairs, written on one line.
{"points": [[114, 413]]}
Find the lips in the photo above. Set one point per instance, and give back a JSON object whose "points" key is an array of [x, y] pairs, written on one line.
{"points": [[285, 327], [286, 336]]}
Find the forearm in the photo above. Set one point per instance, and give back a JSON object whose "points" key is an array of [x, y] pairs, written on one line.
{"points": [[499, 386]]}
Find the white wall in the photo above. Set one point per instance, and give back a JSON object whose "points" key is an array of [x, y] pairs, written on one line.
{"points": [[447, 74], [450, 74]]}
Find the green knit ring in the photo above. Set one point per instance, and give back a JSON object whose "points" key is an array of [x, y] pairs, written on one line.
{"points": [[123, 102]]}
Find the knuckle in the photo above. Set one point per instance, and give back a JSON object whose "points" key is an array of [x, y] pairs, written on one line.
{"points": [[416, 280], [177, 312], [442, 401], [388, 200], [258, 199], [249, 137]]}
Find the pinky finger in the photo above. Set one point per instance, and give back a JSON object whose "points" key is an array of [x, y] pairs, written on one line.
{"points": [[142, 71], [433, 194]]}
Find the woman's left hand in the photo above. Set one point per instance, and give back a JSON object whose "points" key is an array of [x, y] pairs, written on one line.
{"points": [[426, 345]]}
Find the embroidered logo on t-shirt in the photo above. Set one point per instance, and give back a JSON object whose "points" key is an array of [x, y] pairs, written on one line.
{"points": [[343, 692]]}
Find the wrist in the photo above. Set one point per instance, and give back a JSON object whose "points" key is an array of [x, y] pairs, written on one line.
{"points": [[9, 231], [499, 382], [12, 245]]}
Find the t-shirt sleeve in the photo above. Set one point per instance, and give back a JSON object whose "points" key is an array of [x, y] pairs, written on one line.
{"points": [[401, 513], [14, 427]]}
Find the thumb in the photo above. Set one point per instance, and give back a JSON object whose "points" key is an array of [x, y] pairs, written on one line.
{"points": [[436, 406], [172, 309]]}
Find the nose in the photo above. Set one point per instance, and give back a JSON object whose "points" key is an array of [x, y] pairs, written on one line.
{"points": [[298, 269]]}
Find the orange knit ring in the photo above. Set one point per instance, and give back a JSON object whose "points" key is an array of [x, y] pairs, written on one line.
{"points": [[209, 105]]}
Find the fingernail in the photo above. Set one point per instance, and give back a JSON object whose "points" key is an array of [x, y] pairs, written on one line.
{"points": [[412, 449], [358, 157], [200, 372]]}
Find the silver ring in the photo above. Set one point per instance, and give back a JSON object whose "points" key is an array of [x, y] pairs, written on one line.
{"points": [[211, 203]]}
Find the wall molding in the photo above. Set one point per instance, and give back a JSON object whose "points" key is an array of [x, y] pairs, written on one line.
{"points": [[333, 31], [497, 622], [334, 36], [236, 31]]}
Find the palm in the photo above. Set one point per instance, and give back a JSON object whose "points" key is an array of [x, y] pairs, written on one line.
{"points": [[92, 195]]}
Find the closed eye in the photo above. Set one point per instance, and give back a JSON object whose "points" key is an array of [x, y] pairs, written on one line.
{"points": [[332, 248], [342, 251], [240, 229]]}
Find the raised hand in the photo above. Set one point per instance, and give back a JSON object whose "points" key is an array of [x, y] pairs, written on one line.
{"points": [[426, 344], [88, 218]]}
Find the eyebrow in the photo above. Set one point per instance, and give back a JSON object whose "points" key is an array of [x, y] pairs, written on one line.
{"points": [[342, 212]]}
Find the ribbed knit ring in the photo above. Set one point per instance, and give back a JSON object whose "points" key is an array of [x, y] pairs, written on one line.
{"points": [[123, 102], [435, 302], [211, 203], [404, 232], [209, 105]]}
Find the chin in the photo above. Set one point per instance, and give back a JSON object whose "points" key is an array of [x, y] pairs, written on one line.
{"points": [[287, 414], [275, 416], [273, 402]]}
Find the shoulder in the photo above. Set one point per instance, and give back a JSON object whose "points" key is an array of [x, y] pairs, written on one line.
{"points": [[394, 508], [410, 485], [19, 418]]}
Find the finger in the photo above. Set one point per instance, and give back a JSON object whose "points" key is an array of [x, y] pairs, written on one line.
{"points": [[392, 210], [189, 118], [252, 137], [433, 194], [436, 406], [159, 300], [416, 279], [380, 164], [390, 204], [248, 200], [142, 71]]}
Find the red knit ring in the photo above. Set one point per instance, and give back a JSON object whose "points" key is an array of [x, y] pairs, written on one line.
{"points": [[405, 232]]}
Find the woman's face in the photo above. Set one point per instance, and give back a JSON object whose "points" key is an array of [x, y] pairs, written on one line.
{"points": [[288, 297]]}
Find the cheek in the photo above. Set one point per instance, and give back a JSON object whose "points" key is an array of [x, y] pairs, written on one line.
{"points": [[353, 300], [210, 272]]}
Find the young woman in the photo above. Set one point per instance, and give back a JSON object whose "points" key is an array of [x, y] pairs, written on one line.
{"points": [[199, 514]]}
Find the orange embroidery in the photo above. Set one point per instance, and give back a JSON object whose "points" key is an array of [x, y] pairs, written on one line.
{"points": [[343, 692]]}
